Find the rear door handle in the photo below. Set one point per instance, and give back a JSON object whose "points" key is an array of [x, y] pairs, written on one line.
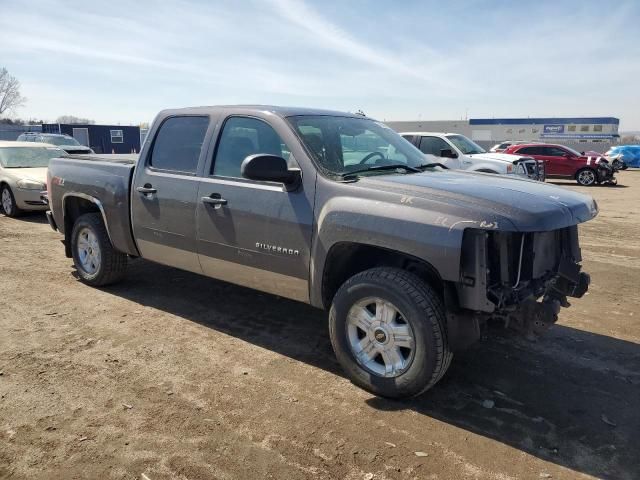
{"points": [[214, 199], [147, 189]]}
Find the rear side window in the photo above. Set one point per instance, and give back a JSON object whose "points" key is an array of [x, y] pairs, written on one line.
{"points": [[178, 144], [529, 151], [244, 136], [433, 145]]}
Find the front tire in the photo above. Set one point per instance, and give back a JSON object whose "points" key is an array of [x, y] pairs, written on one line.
{"points": [[387, 328], [8, 202], [95, 259], [586, 177]]}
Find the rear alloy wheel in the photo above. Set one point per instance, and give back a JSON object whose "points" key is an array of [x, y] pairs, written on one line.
{"points": [[586, 177], [89, 254], [8, 202], [387, 328], [95, 259]]}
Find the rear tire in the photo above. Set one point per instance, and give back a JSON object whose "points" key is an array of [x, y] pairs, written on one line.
{"points": [[95, 259], [387, 328], [586, 177], [8, 202]]}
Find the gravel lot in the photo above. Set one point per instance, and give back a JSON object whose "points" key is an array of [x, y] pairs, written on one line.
{"points": [[174, 376]]}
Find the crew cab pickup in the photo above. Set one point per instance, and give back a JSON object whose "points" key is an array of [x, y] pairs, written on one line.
{"points": [[338, 211], [458, 152]]}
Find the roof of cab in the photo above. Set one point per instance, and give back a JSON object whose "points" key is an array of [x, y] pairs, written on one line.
{"points": [[9, 143], [276, 110]]}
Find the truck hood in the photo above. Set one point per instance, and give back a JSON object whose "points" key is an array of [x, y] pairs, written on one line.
{"points": [[489, 201], [35, 174], [501, 157]]}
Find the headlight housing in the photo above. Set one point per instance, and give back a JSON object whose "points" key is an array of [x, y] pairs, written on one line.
{"points": [[31, 184]]}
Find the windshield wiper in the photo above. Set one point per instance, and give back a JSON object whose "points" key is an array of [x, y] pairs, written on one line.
{"points": [[377, 168], [430, 165]]}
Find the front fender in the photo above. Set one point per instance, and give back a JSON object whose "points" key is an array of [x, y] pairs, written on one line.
{"points": [[433, 237]]}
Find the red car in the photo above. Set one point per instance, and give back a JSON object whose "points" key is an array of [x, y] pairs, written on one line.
{"points": [[562, 162]]}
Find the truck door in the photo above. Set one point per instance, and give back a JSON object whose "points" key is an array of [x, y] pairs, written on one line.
{"points": [[435, 146], [254, 233], [165, 192]]}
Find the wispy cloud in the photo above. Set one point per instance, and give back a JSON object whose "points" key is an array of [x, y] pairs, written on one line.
{"points": [[121, 61], [329, 35]]}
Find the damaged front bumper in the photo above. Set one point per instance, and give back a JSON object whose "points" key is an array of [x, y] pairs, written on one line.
{"points": [[519, 279], [530, 168], [532, 317]]}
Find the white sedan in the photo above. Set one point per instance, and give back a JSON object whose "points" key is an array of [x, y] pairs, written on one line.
{"points": [[23, 175]]}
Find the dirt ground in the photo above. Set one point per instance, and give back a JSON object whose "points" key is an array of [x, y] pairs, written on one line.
{"points": [[174, 376]]}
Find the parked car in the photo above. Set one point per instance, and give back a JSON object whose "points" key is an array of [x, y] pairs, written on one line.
{"points": [[338, 211], [628, 155], [564, 162], [65, 142], [502, 146], [458, 152], [23, 175]]}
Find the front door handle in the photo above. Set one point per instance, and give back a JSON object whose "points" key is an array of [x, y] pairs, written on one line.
{"points": [[146, 190], [214, 199]]}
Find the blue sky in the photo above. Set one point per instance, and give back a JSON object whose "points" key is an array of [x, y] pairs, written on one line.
{"points": [[122, 61]]}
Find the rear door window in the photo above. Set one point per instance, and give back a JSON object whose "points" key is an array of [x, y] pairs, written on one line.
{"points": [[530, 151], [178, 143]]}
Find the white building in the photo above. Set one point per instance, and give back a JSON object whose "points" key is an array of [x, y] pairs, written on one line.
{"points": [[568, 131]]}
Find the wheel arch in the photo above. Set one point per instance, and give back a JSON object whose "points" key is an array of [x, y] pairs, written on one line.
{"points": [[75, 204], [346, 259]]}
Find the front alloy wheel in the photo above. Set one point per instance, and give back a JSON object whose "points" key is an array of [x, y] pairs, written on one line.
{"points": [[387, 329], [586, 177], [381, 340], [9, 203]]}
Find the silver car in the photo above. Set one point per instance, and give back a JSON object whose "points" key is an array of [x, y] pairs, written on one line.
{"points": [[65, 142], [23, 175]]}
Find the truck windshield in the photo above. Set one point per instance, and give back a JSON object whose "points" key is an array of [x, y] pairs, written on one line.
{"points": [[27, 157], [466, 146], [55, 140], [341, 145]]}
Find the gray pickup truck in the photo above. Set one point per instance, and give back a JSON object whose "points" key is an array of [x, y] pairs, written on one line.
{"points": [[336, 210]]}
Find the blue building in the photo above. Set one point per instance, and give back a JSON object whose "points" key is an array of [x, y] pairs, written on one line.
{"points": [[101, 138]]}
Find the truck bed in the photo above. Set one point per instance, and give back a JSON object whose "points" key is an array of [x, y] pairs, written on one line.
{"points": [[104, 180]]}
